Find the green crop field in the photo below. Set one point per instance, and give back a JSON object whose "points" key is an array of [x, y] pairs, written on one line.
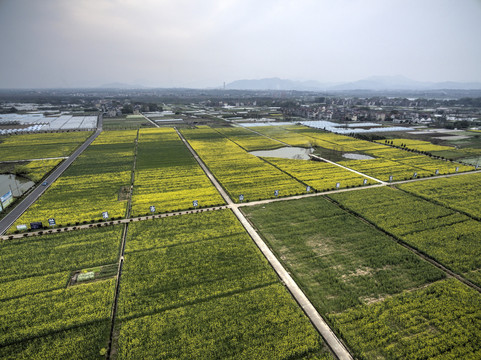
{"points": [[386, 162], [319, 175], [40, 146], [441, 321], [339, 260], [167, 176], [449, 237], [239, 172], [83, 342], [248, 139], [200, 287], [41, 316], [54, 253], [195, 285], [126, 122], [288, 134], [91, 185], [384, 301], [458, 192]]}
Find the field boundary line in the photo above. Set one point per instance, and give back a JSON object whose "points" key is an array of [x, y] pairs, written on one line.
{"points": [[122, 252], [39, 159], [346, 168], [435, 177], [266, 136], [411, 248]]}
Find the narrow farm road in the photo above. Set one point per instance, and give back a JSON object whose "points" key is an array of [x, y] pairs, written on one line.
{"points": [[346, 168], [334, 343], [51, 158], [122, 252], [434, 177], [151, 121], [16, 212], [266, 136]]}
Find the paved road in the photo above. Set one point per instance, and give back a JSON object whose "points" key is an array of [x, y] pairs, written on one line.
{"points": [[15, 213], [334, 343], [153, 122]]}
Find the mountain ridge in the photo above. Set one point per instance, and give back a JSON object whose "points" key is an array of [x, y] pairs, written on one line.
{"points": [[375, 83]]}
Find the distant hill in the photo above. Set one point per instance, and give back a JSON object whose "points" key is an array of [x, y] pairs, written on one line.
{"points": [[374, 83], [275, 84], [118, 85]]}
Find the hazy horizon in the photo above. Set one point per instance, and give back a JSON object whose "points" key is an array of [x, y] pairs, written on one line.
{"points": [[200, 44]]}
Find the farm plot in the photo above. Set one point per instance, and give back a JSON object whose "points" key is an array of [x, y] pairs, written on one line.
{"points": [[383, 169], [385, 302], [191, 284], [126, 122], [38, 168], [167, 176], [239, 172], [340, 142], [388, 161], [418, 145], [249, 140], [83, 342], [459, 192], [40, 146], [444, 234], [320, 176], [94, 183], [402, 165], [441, 321], [287, 134], [41, 316], [31, 265], [49, 312], [33, 170], [338, 260]]}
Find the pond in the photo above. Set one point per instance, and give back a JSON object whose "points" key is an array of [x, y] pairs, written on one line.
{"points": [[297, 153], [18, 185], [353, 156]]}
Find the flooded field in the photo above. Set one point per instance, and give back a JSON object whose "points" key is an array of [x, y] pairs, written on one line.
{"points": [[353, 156], [16, 184], [297, 153]]}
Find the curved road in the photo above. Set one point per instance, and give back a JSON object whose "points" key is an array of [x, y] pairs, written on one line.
{"points": [[18, 210]]}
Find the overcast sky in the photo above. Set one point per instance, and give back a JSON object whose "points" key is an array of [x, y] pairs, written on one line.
{"points": [[202, 43]]}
